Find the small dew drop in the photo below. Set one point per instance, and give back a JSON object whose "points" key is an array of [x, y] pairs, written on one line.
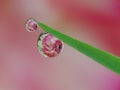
{"points": [[31, 25], [48, 45]]}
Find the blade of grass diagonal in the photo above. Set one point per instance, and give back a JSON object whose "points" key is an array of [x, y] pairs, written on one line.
{"points": [[108, 60]]}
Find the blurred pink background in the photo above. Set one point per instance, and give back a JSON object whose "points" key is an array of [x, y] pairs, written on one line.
{"points": [[96, 22]]}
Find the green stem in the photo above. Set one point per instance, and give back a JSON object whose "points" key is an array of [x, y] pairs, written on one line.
{"points": [[108, 60]]}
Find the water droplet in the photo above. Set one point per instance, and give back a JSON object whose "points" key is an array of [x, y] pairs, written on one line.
{"points": [[31, 25], [48, 45]]}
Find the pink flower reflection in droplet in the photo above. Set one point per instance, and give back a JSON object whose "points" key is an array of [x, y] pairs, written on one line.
{"points": [[48, 45], [31, 25]]}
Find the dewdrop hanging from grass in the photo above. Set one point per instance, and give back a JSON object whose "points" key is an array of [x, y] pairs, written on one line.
{"points": [[47, 44], [31, 25], [104, 58]]}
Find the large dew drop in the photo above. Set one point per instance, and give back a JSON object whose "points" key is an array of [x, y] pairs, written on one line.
{"points": [[48, 45]]}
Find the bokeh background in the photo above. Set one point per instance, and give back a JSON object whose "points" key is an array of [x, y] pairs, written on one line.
{"points": [[96, 22]]}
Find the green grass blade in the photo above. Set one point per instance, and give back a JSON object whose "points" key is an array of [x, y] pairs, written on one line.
{"points": [[108, 60]]}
